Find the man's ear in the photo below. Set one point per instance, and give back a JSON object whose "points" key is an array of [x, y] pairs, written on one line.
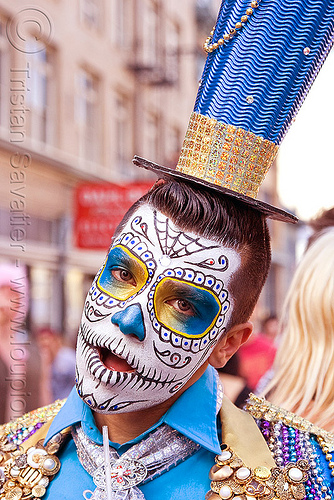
{"points": [[230, 343]]}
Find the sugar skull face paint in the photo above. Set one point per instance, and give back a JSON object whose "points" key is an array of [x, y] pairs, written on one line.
{"points": [[154, 312]]}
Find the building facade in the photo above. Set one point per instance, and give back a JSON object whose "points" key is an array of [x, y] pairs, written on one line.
{"points": [[84, 86]]}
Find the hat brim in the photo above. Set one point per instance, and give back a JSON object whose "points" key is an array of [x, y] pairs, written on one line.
{"points": [[269, 211]]}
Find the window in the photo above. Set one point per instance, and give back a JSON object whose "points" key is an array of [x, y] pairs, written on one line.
{"points": [[91, 14], [174, 143], [87, 108], [37, 229], [42, 289], [172, 65], [41, 97], [149, 35], [122, 22], [153, 137], [123, 138]]}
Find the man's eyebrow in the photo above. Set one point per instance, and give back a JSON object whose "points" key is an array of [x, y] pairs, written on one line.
{"points": [[124, 255], [189, 289]]}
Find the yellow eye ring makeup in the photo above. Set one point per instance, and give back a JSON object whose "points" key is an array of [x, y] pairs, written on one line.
{"points": [[120, 257], [206, 305]]}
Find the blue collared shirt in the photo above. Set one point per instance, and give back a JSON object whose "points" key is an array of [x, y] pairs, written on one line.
{"points": [[194, 414]]}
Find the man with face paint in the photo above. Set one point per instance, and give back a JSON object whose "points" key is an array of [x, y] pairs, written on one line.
{"points": [[159, 305], [161, 308], [172, 301]]}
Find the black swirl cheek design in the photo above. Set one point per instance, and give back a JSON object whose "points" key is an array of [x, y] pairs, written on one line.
{"points": [[88, 398], [222, 263], [92, 314], [172, 359], [140, 227]]}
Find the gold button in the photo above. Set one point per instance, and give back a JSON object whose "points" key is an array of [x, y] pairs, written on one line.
{"points": [[262, 472]]}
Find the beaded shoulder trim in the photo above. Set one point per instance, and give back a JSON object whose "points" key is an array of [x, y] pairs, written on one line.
{"points": [[23, 427], [260, 408], [299, 473], [26, 473]]}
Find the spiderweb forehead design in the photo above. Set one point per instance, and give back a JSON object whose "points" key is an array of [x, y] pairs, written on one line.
{"points": [[174, 242]]}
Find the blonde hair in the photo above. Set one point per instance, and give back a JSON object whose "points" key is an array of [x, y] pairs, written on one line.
{"points": [[303, 379]]}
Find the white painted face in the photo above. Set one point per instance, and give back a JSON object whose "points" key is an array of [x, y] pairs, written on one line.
{"points": [[153, 314]]}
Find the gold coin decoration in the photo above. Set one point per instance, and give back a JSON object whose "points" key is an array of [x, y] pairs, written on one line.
{"points": [[262, 472], [52, 448], [50, 465], [14, 494], [38, 491], [232, 480], [27, 472]]}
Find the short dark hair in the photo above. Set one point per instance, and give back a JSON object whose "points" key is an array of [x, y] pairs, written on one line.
{"points": [[319, 225], [222, 219]]}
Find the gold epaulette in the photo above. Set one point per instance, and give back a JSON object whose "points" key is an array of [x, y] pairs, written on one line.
{"points": [[28, 465], [22, 427], [246, 469], [262, 409]]}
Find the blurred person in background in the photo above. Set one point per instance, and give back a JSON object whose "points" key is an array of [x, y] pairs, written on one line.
{"points": [[57, 366], [19, 362], [320, 223], [234, 385], [304, 366], [258, 353]]}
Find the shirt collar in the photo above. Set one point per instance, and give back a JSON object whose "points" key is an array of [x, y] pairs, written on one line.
{"points": [[70, 414], [194, 413], [196, 421]]}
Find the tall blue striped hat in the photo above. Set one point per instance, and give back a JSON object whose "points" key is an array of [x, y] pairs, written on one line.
{"points": [[263, 56]]}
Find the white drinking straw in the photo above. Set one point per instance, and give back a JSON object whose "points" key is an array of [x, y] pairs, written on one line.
{"points": [[107, 467]]}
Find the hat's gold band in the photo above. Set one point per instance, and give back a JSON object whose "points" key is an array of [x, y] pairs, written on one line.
{"points": [[225, 155]]}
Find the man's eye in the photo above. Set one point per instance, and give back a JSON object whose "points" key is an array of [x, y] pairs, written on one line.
{"points": [[124, 276], [182, 306]]}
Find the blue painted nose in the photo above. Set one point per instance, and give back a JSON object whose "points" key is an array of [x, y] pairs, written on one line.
{"points": [[130, 321]]}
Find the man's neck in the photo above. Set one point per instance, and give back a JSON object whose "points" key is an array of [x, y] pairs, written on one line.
{"points": [[123, 427]]}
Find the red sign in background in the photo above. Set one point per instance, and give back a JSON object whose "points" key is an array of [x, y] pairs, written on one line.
{"points": [[99, 208]]}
